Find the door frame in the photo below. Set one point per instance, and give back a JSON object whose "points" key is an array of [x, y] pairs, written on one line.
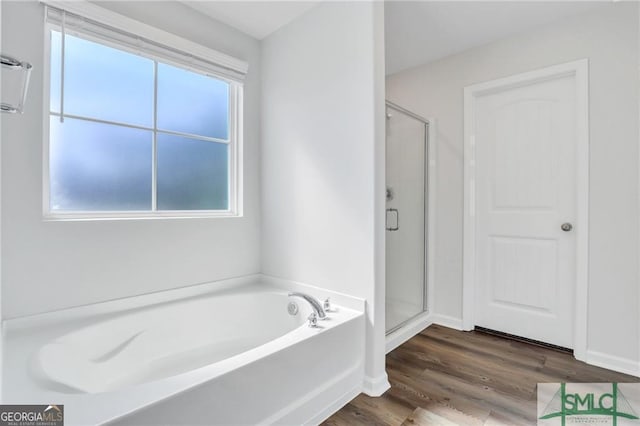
{"points": [[579, 69]]}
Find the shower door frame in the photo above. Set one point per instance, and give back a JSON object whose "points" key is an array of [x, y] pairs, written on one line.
{"points": [[428, 213]]}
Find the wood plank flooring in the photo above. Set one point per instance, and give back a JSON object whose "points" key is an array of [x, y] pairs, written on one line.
{"points": [[448, 377]]}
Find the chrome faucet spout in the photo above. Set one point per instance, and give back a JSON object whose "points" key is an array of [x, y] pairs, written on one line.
{"points": [[315, 305]]}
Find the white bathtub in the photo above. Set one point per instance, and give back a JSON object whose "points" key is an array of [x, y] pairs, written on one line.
{"points": [[234, 356]]}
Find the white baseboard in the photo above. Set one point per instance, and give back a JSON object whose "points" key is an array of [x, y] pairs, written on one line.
{"points": [[612, 362], [375, 386], [407, 331], [599, 359], [447, 321], [416, 325]]}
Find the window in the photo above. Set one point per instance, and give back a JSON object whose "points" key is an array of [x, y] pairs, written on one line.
{"points": [[131, 134]]}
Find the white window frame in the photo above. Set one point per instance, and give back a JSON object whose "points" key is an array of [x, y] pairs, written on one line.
{"points": [[235, 113]]}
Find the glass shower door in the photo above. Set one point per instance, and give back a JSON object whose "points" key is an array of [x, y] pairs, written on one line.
{"points": [[406, 155]]}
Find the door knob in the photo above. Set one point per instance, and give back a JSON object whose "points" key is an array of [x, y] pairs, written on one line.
{"points": [[566, 227]]}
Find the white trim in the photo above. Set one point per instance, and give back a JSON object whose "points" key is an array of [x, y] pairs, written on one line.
{"points": [[431, 212], [123, 23], [581, 296], [46, 108], [447, 321], [416, 325], [611, 362], [375, 386], [235, 143], [236, 154], [63, 50], [580, 69], [413, 327], [468, 222], [154, 140], [375, 311], [136, 215], [147, 128]]}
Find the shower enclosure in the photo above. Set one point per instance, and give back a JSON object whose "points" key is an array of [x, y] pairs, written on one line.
{"points": [[406, 218]]}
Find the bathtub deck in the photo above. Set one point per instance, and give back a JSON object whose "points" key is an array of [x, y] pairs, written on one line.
{"points": [[448, 377]]}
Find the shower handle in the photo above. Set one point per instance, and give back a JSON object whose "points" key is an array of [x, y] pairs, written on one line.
{"points": [[391, 212]]}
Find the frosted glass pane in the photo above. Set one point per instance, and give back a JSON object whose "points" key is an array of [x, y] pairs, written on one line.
{"points": [[99, 167], [192, 174], [192, 103], [108, 84], [56, 59]]}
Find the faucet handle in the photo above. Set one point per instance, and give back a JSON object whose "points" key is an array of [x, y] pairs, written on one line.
{"points": [[327, 305], [313, 320]]}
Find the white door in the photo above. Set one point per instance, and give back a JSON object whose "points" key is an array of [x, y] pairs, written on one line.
{"points": [[525, 139]]}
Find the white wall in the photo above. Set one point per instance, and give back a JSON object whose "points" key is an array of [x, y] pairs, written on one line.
{"points": [[53, 265], [1, 340], [322, 105], [609, 38]]}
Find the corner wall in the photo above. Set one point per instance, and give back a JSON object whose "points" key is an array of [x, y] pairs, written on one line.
{"points": [[53, 265], [608, 36], [323, 136]]}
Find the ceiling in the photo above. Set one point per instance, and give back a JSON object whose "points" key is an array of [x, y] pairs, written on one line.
{"points": [[418, 32], [255, 18]]}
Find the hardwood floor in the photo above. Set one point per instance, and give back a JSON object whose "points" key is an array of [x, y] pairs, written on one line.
{"points": [[448, 377]]}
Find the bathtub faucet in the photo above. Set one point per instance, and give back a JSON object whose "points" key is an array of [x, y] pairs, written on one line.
{"points": [[318, 311]]}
